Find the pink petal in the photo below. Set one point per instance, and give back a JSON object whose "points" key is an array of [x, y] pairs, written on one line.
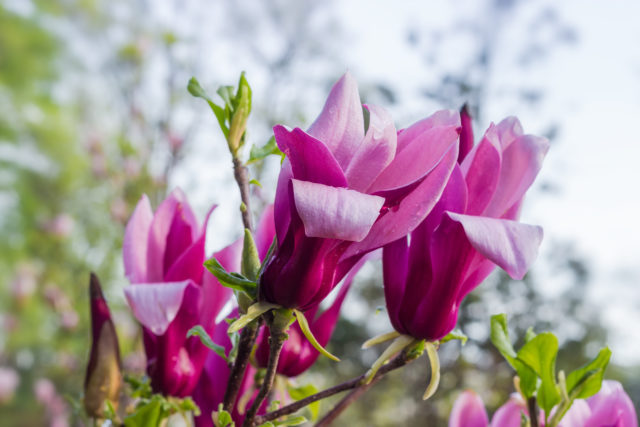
{"points": [[179, 240], [341, 124], [439, 118], [521, 162], [375, 152], [311, 160], [509, 414], [481, 169], [418, 158], [577, 415], [468, 411], [411, 211], [612, 406], [509, 130], [156, 305], [510, 244], [335, 213], [282, 204], [134, 246], [466, 134]]}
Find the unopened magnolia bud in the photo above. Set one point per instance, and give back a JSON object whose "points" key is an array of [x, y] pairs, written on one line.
{"points": [[103, 378]]}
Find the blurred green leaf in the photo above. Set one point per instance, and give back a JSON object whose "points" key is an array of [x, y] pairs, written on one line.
{"points": [[207, 341], [586, 381], [259, 153], [540, 355], [231, 280], [301, 392]]}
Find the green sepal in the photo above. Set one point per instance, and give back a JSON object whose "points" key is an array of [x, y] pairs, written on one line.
{"points": [[456, 334], [399, 344], [434, 362], [206, 340], [250, 265], [306, 330], [380, 339], [231, 280], [253, 312]]}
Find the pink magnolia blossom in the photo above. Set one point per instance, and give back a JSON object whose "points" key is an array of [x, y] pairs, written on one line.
{"points": [[170, 290], [471, 229], [611, 406], [343, 192]]}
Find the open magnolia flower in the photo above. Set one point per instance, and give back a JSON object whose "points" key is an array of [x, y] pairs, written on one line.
{"points": [[611, 406], [349, 185], [170, 290], [471, 229]]}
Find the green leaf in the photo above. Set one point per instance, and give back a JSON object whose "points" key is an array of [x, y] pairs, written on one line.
{"points": [[456, 334], [149, 414], [259, 153], [291, 421], [299, 393], [139, 387], [241, 108], [255, 311], [306, 330], [226, 93], [586, 381], [500, 339], [196, 90], [250, 265], [231, 280], [207, 341], [540, 355], [255, 182]]}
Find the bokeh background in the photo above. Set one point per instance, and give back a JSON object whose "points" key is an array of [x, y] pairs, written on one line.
{"points": [[94, 112]]}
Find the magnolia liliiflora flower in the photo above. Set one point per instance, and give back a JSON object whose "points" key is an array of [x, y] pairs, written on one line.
{"points": [[344, 191], [170, 290], [611, 406]]}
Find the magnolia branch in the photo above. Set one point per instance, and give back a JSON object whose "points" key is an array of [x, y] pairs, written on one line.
{"points": [[240, 173], [399, 361], [247, 340]]}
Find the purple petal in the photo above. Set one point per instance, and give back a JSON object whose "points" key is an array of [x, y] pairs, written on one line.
{"points": [[375, 152], [158, 233], [335, 213], [282, 204], [466, 134], [481, 169], [341, 124], [509, 414], [420, 156], [510, 244], [521, 162], [412, 209], [179, 240], [156, 305], [134, 246], [468, 411], [265, 232], [311, 160], [395, 271], [216, 295]]}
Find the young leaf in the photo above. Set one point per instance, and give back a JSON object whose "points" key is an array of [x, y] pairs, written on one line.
{"points": [[255, 311], [149, 414], [540, 355], [259, 153], [299, 393], [250, 265], [586, 381], [197, 91], [291, 421], [231, 280], [207, 341]]}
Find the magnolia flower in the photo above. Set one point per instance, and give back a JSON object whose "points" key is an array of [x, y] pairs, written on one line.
{"points": [[297, 353], [170, 290], [611, 406], [471, 229], [344, 190], [103, 378]]}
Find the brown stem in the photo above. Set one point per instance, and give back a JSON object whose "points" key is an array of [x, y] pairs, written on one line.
{"points": [[533, 412], [345, 402], [399, 361], [241, 175], [276, 341], [245, 345]]}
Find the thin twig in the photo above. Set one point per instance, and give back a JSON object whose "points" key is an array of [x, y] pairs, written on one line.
{"points": [[396, 363], [533, 412], [345, 402], [245, 345], [276, 341], [241, 175]]}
